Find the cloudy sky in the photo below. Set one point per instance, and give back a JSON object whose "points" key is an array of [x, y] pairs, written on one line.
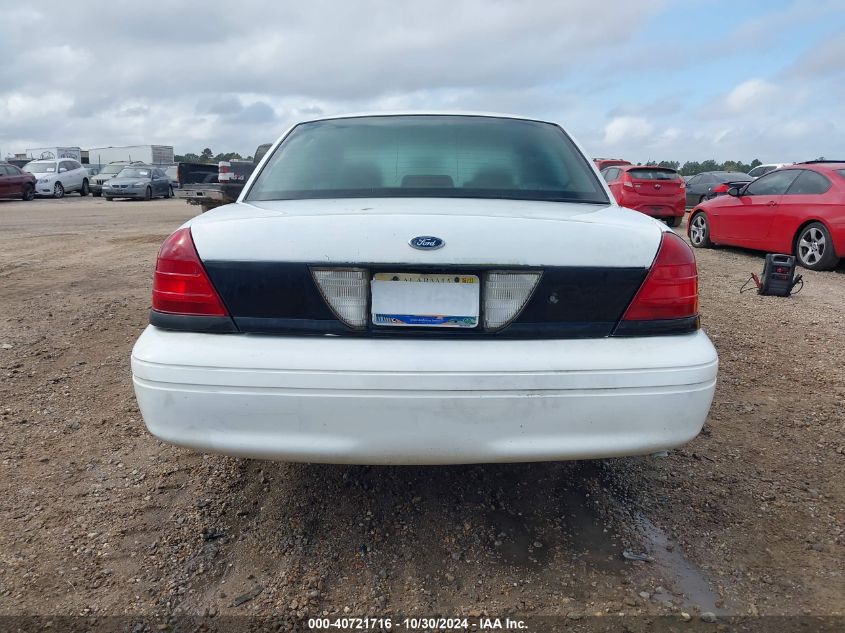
{"points": [[683, 80]]}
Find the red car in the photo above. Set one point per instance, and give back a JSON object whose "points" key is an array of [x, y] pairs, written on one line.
{"points": [[15, 183], [799, 209], [656, 191], [604, 163]]}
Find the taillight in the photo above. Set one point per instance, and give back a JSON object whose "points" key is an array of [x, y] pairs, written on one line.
{"points": [[346, 292], [224, 171], [682, 184], [628, 182], [505, 295], [670, 290], [180, 284]]}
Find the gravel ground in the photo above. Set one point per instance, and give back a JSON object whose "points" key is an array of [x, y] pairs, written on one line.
{"points": [[99, 518]]}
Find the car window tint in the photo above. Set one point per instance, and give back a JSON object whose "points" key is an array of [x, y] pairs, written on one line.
{"points": [[809, 182], [653, 173], [772, 184], [694, 180], [428, 156], [4, 171]]}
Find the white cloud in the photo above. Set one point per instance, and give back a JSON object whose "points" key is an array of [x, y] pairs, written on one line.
{"points": [[749, 94], [626, 129]]}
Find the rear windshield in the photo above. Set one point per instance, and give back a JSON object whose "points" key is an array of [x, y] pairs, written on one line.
{"points": [[134, 172], [113, 169], [428, 156], [727, 176], [653, 174]]}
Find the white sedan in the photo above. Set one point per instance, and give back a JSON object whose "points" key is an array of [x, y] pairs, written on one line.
{"points": [[425, 289]]}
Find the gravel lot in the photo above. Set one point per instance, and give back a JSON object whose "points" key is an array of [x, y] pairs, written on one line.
{"points": [[97, 517]]}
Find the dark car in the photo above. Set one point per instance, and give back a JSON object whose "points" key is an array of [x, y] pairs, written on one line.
{"points": [[703, 186], [138, 181], [15, 183]]}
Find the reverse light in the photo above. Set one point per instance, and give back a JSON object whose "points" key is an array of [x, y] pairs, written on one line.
{"points": [[180, 284], [505, 295], [346, 290], [670, 290]]}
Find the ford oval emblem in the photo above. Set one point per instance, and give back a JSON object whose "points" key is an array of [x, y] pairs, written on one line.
{"points": [[426, 242]]}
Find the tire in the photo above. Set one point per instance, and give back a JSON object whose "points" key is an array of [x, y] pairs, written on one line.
{"points": [[814, 247], [675, 222], [169, 193], [84, 191], [699, 230], [58, 190], [148, 194], [28, 193], [109, 198], [702, 199]]}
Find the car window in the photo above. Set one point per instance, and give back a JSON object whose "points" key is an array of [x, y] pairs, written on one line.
{"points": [[610, 174], [760, 170], [653, 173], [134, 172], [4, 171], [694, 180], [809, 182], [74, 165], [772, 184], [428, 156], [65, 164]]}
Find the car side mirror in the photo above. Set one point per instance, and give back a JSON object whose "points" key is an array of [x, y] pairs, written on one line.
{"points": [[734, 191], [62, 169]]}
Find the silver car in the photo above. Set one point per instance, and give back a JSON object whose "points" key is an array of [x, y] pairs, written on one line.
{"points": [[138, 181]]}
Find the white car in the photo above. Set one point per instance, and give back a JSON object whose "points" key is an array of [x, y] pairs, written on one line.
{"points": [[55, 178], [762, 170], [425, 289]]}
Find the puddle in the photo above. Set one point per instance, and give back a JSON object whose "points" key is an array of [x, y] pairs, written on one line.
{"points": [[572, 524], [686, 577]]}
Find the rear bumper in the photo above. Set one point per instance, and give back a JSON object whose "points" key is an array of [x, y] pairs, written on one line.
{"points": [[124, 193], [659, 210], [377, 401]]}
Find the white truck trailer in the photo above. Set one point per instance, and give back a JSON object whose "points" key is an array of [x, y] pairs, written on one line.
{"points": [[147, 154], [53, 153]]}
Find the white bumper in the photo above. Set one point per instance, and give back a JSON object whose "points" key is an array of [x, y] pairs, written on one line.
{"points": [[391, 401]]}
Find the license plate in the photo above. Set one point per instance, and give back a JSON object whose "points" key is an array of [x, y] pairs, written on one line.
{"points": [[420, 300]]}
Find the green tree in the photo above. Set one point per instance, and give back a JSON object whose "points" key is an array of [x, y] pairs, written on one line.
{"points": [[207, 154]]}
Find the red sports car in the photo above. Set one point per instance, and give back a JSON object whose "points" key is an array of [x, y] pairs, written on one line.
{"points": [[799, 209], [656, 191]]}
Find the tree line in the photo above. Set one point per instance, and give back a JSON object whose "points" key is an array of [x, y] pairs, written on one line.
{"points": [[693, 167], [207, 156]]}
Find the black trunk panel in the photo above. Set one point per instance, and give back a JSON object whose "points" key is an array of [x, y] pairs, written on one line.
{"points": [[569, 302]]}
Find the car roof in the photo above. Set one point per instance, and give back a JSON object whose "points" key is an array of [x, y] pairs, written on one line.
{"points": [[821, 164], [630, 167], [489, 115]]}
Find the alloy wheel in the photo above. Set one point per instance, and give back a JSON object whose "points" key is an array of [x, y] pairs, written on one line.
{"points": [[811, 246], [698, 229]]}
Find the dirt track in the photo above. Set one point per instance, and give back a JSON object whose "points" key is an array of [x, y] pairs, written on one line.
{"points": [[98, 517]]}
